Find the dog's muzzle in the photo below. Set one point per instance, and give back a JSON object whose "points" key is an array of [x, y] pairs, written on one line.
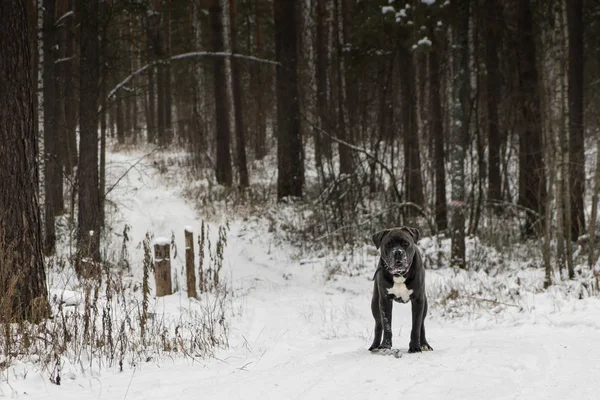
{"points": [[397, 262]]}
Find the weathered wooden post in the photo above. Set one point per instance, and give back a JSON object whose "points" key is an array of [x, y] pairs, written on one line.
{"points": [[162, 266], [189, 262]]}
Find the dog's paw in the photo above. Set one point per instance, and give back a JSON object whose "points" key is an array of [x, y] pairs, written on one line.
{"points": [[426, 347], [385, 345], [414, 348]]}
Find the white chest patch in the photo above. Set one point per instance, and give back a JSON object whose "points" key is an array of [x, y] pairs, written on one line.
{"points": [[400, 290]]}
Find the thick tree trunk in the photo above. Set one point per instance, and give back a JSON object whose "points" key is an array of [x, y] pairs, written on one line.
{"points": [[346, 164], [22, 275], [436, 126], [592, 254], [290, 153], [52, 162], [71, 71], [89, 196], [532, 178], [576, 128], [322, 142], [199, 107], [460, 124], [410, 134], [240, 127], [103, 115], [167, 93], [493, 82], [151, 52], [258, 71], [223, 168]]}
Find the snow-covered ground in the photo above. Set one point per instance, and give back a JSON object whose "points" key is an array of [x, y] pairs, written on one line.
{"points": [[298, 333]]}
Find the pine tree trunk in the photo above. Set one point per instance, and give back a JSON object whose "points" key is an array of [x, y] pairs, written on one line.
{"points": [[151, 53], [459, 128], [223, 168], [71, 91], [593, 241], [532, 178], [576, 128], [346, 164], [240, 127], [103, 115], [198, 137], [168, 93], [89, 196], [493, 82], [258, 73], [22, 275], [290, 153], [410, 134], [52, 165], [437, 134], [322, 143]]}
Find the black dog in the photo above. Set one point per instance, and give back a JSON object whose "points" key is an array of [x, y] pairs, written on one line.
{"points": [[400, 276]]}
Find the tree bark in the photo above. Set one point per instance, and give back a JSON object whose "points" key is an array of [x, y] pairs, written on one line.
{"points": [[240, 127], [346, 164], [290, 153], [410, 134], [258, 71], [460, 124], [22, 275], [493, 82], [437, 134], [576, 128], [167, 92], [151, 53], [199, 108], [52, 162], [223, 168], [322, 143], [89, 196], [532, 178]]}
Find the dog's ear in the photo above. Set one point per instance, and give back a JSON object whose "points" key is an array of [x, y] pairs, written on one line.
{"points": [[378, 237], [414, 232]]}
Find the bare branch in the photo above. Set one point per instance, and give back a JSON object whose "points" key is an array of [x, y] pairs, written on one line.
{"points": [[183, 56], [366, 153]]}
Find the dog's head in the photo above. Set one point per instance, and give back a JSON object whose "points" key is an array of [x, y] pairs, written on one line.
{"points": [[397, 247]]}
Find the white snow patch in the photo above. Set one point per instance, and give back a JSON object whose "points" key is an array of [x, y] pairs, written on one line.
{"points": [[162, 241], [387, 9], [424, 41]]}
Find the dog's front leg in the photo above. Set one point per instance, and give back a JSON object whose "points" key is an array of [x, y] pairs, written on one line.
{"points": [[385, 306], [418, 306]]}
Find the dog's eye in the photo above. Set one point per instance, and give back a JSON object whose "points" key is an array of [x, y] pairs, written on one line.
{"points": [[404, 243]]}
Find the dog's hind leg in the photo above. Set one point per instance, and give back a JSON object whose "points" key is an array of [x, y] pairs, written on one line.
{"points": [[377, 316]]}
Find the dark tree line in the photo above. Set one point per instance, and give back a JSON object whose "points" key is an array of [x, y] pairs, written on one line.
{"points": [[451, 113]]}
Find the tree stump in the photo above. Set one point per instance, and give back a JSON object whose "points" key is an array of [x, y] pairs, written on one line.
{"points": [[189, 262], [162, 267]]}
